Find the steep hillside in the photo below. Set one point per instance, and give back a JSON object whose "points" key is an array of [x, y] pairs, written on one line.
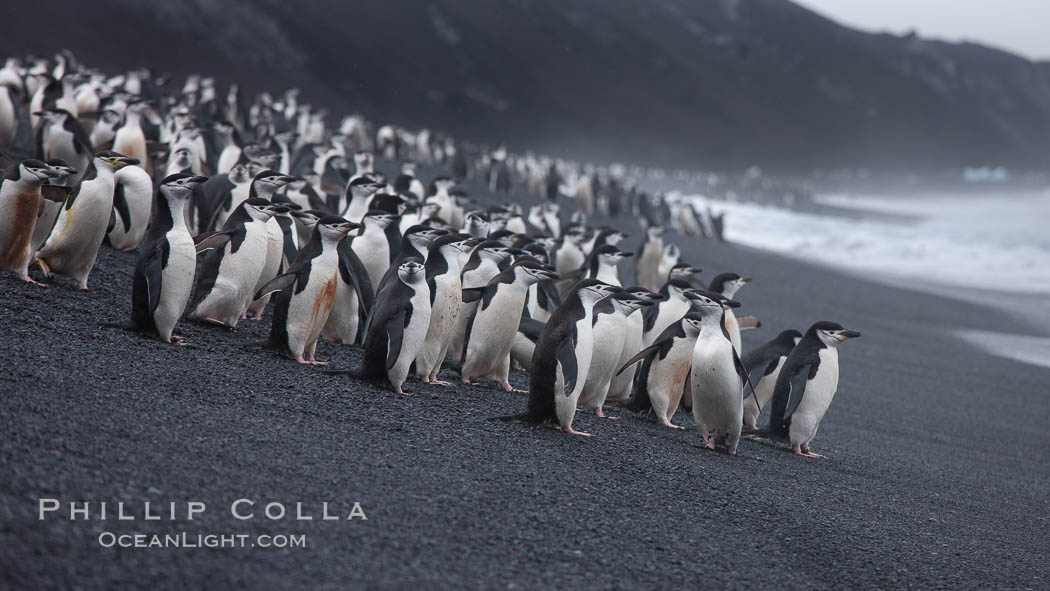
{"points": [[718, 84]]}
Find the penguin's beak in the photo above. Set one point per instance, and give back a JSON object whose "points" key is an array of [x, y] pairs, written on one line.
{"points": [[731, 303], [123, 161], [348, 227], [745, 280], [287, 179], [625, 255], [850, 334], [196, 180]]}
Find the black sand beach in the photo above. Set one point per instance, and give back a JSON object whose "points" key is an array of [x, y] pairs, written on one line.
{"points": [[937, 472]]}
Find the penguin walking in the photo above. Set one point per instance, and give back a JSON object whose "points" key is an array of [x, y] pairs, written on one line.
{"points": [[728, 284], [22, 197], [398, 327], [73, 244], [134, 187], [494, 322], [563, 358], [763, 367], [163, 276], [717, 375], [806, 385], [306, 292], [446, 299], [663, 370], [622, 382], [230, 274], [610, 331]]}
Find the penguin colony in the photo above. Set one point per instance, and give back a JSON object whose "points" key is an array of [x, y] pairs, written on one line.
{"points": [[237, 203]]}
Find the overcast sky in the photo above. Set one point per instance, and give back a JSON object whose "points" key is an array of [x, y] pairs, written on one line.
{"points": [[1019, 26]]}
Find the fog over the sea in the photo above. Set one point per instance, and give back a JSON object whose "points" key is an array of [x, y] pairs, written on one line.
{"points": [[1015, 25]]}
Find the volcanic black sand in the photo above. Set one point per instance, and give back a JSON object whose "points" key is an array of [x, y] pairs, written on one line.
{"points": [[937, 473]]}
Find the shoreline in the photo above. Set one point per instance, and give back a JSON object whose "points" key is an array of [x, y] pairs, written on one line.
{"points": [[924, 433]]}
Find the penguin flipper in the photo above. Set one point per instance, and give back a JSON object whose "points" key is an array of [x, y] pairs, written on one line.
{"points": [[154, 269], [746, 379], [120, 205], [395, 331], [797, 383], [472, 294], [569, 369], [646, 352], [55, 193], [211, 240], [279, 283]]}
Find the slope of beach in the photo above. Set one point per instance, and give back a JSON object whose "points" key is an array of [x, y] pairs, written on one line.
{"points": [[937, 470]]}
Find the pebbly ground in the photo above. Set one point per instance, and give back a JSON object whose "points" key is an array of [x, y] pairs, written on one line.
{"points": [[937, 472]]}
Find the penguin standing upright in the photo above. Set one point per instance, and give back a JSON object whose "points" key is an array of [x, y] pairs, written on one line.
{"points": [[263, 186], [622, 381], [398, 327], [663, 370], [306, 292], [807, 384], [486, 261], [62, 136], [646, 266], [717, 375], [22, 196], [8, 116], [727, 284], [130, 139], [73, 244], [676, 303], [610, 331], [354, 298], [494, 321], [562, 358], [163, 276], [227, 282], [135, 187], [446, 299], [763, 367], [372, 245]]}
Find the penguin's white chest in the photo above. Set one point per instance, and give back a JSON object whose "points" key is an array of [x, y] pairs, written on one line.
{"points": [[374, 253], [718, 405], [817, 398], [176, 278]]}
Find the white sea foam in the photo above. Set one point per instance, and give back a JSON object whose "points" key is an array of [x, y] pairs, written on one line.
{"points": [[991, 242]]}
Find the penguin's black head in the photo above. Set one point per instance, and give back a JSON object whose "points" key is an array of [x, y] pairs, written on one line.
{"points": [[683, 271], [628, 302], [611, 254], [831, 333], [502, 236], [114, 160], [53, 115], [365, 186], [308, 218], [640, 292], [537, 251], [728, 284], [691, 323], [35, 171], [703, 300], [380, 217], [532, 270], [789, 337], [592, 290], [273, 178], [334, 228], [411, 270], [262, 209], [180, 185]]}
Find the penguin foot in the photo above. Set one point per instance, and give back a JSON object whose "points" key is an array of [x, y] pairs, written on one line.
{"points": [[44, 267], [178, 341], [25, 277], [438, 382], [670, 425], [302, 359], [804, 452], [569, 430], [601, 415], [211, 320], [507, 387], [710, 444]]}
